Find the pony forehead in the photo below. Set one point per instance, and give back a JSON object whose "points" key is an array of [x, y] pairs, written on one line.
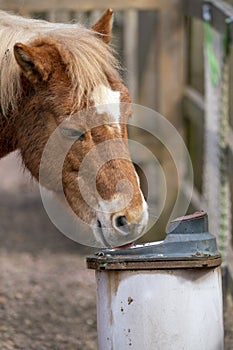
{"points": [[105, 109], [103, 95], [107, 101]]}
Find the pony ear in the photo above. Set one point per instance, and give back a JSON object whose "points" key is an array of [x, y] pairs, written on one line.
{"points": [[104, 26], [32, 62]]}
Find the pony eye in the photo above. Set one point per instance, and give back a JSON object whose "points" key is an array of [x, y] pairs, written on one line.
{"points": [[72, 133]]}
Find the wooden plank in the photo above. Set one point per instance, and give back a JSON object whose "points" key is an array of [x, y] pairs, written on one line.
{"points": [[230, 270], [94, 16], [149, 84], [195, 49], [171, 85], [197, 200], [195, 96], [231, 89], [52, 15], [195, 142], [131, 51], [193, 8], [171, 62], [193, 106], [230, 140], [60, 16], [82, 5]]}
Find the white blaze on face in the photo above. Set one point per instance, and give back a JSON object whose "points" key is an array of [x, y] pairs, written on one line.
{"points": [[107, 101]]}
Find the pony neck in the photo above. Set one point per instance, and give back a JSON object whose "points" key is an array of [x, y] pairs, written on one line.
{"points": [[8, 141]]}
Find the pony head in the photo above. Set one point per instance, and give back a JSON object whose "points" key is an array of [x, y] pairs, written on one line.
{"points": [[69, 85]]}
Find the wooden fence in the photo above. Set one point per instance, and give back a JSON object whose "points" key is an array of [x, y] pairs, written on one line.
{"points": [[208, 114], [161, 44]]}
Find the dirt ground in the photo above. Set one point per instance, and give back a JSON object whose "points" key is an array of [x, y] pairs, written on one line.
{"points": [[47, 296]]}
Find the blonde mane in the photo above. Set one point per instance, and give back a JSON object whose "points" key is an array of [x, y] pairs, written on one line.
{"points": [[89, 61]]}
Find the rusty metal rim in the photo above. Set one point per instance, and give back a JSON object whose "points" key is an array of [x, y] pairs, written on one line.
{"points": [[153, 265]]}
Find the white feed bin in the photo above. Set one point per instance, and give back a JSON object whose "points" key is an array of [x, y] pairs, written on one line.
{"points": [[162, 296]]}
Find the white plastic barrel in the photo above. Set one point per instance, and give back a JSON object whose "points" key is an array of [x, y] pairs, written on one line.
{"points": [[160, 309]]}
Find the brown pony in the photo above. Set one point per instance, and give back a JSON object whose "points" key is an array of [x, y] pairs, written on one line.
{"points": [[49, 73]]}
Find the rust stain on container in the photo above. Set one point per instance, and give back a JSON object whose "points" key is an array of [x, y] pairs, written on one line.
{"points": [[109, 295], [115, 281], [130, 300]]}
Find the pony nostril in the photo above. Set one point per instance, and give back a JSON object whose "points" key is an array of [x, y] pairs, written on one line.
{"points": [[99, 224], [120, 221], [121, 224]]}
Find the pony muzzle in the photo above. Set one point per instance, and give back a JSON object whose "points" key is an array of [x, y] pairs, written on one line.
{"points": [[120, 231]]}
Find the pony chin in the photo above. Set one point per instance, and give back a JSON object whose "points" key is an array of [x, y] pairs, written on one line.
{"points": [[110, 238]]}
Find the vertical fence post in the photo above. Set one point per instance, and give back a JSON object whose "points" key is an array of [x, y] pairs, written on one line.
{"points": [[131, 51], [62, 16], [171, 85], [216, 183]]}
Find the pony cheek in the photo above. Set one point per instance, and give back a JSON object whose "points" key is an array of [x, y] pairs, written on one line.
{"points": [[81, 208]]}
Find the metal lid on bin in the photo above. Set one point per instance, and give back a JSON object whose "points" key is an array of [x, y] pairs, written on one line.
{"points": [[188, 244]]}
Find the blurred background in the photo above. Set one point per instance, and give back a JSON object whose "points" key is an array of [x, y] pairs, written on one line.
{"points": [[169, 51]]}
